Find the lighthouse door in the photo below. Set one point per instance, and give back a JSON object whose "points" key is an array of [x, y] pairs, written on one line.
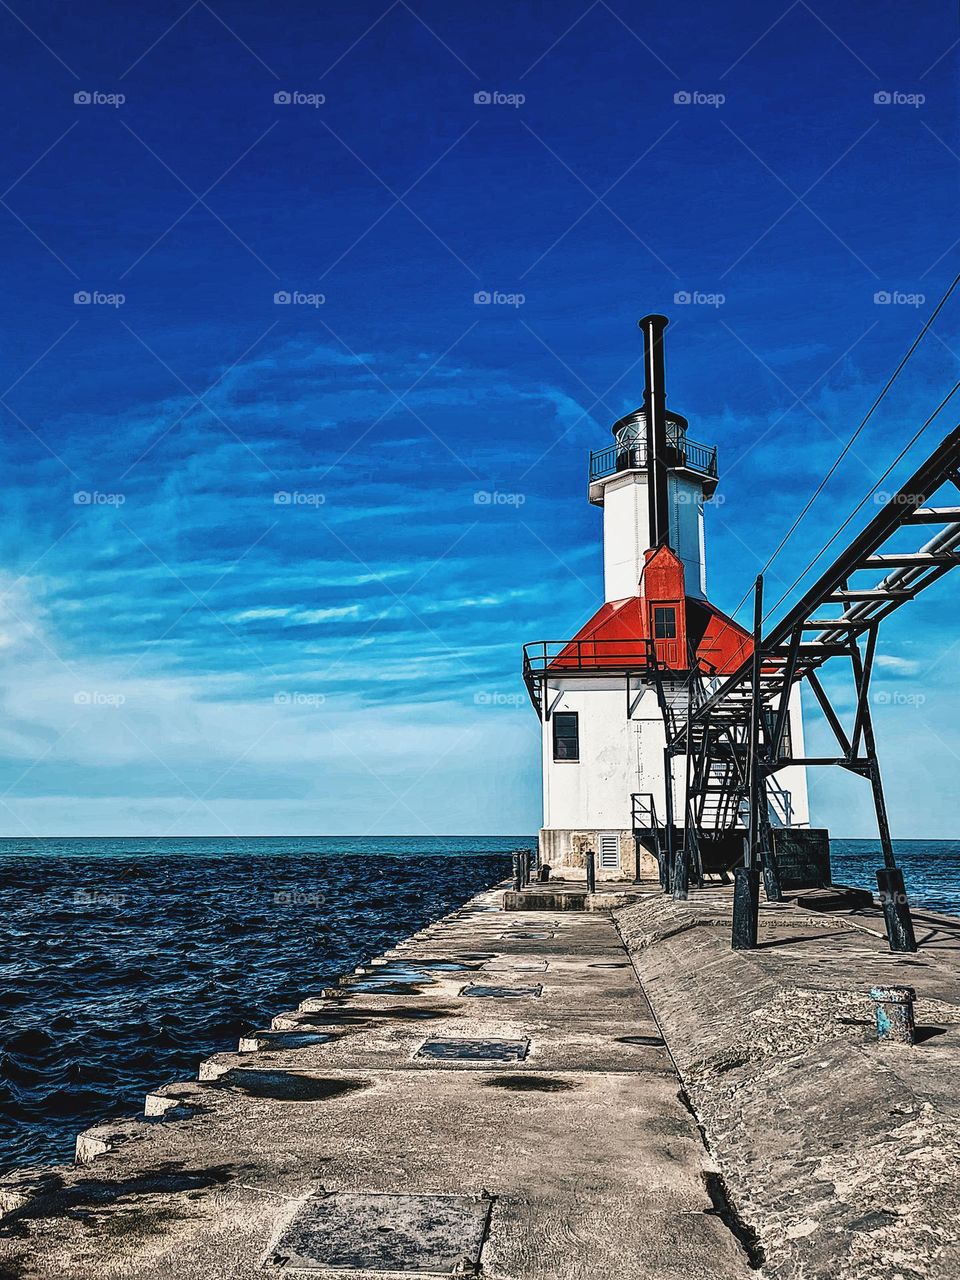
{"points": [[663, 625]]}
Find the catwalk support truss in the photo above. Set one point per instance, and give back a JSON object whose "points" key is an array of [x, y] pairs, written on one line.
{"points": [[734, 738]]}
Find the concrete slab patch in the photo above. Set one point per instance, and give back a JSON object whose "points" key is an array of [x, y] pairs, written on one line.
{"points": [[405, 1234], [503, 993], [474, 1050]]}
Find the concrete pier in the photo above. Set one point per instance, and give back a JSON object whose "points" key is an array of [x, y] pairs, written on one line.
{"points": [[491, 1097], [494, 1097]]}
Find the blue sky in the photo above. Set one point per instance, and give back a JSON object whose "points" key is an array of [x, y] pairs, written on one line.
{"points": [[183, 653]]}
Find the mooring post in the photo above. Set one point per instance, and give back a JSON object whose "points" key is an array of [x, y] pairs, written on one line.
{"points": [[894, 1010], [591, 861], [517, 872]]}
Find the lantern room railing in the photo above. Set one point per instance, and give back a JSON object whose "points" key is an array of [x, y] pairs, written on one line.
{"points": [[681, 452]]}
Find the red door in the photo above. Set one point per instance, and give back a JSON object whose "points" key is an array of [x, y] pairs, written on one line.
{"points": [[665, 631]]}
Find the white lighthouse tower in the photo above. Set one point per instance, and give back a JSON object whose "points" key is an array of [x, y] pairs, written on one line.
{"points": [[610, 697]]}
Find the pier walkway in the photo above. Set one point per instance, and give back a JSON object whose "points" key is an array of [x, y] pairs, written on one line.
{"points": [[490, 1097]]}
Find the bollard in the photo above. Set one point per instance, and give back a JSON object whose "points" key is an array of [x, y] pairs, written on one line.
{"points": [[746, 907], [591, 873], [525, 856], [894, 1009], [543, 875], [517, 872]]}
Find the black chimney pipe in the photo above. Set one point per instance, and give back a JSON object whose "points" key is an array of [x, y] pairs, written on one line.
{"points": [[655, 408]]}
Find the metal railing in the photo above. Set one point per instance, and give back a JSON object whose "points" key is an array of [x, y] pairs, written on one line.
{"points": [[542, 656], [644, 811], [680, 453]]}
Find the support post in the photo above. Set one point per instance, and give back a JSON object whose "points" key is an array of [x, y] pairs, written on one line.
{"points": [[517, 872], [771, 872], [591, 861], [668, 805], [746, 879], [893, 892], [746, 907], [681, 874], [681, 871]]}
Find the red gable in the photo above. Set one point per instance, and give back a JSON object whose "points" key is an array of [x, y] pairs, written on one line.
{"points": [[619, 632]]}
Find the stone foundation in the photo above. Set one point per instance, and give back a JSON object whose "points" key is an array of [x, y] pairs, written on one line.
{"points": [[564, 851]]}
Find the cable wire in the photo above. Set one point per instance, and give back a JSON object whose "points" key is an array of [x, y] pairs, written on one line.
{"points": [[843, 453]]}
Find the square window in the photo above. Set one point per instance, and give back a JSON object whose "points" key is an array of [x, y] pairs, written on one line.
{"points": [[566, 735]]}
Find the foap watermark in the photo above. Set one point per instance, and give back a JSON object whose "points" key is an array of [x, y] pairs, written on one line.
{"points": [[494, 298], [495, 498], [94, 498], [298, 898], [684, 498], [293, 698], [897, 298], [896, 98], [493, 698], [294, 98], [296, 498], [898, 698], [694, 298], [883, 498], [98, 898], [297, 298], [694, 98], [494, 98], [98, 698], [94, 98], [95, 298]]}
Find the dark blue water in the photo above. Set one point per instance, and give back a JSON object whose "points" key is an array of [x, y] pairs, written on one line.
{"points": [[931, 869], [123, 963]]}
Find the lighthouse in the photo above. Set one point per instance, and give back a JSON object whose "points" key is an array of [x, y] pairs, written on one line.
{"points": [[610, 698]]}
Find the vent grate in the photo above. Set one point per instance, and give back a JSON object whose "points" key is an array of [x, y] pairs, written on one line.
{"points": [[610, 850]]}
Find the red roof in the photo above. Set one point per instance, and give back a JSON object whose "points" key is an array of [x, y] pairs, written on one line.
{"points": [[620, 632]]}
